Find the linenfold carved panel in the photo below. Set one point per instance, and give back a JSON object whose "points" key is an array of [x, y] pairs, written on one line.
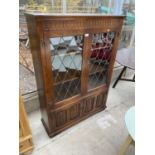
{"points": [[78, 110], [100, 100], [61, 118], [87, 105], [74, 111]]}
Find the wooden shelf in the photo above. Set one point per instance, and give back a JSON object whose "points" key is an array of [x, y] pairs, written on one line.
{"points": [[70, 75], [64, 53], [74, 76], [67, 80], [92, 83]]}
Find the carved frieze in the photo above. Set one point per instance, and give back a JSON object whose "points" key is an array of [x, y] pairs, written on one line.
{"points": [[80, 24]]}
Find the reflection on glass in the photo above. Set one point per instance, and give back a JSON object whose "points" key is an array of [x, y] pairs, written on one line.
{"points": [[100, 55], [66, 65], [127, 36]]}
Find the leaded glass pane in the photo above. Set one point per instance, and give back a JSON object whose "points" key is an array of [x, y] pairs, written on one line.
{"points": [[100, 55], [66, 64]]}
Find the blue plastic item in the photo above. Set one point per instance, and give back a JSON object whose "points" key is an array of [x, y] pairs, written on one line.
{"points": [[130, 121]]}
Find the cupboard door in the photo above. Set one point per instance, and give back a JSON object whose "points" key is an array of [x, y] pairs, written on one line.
{"points": [[66, 66], [100, 55]]}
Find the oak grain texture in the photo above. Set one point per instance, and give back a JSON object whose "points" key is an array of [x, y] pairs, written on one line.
{"points": [[58, 116], [25, 135]]}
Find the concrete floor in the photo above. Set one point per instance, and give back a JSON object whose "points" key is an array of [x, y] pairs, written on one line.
{"points": [[101, 134]]}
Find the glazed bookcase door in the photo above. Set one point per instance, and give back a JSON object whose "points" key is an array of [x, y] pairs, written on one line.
{"points": [[100, 55], [66, 65]]}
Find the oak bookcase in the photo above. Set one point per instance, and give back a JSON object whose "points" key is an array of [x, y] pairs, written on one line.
{"points": [[73, 58]]}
